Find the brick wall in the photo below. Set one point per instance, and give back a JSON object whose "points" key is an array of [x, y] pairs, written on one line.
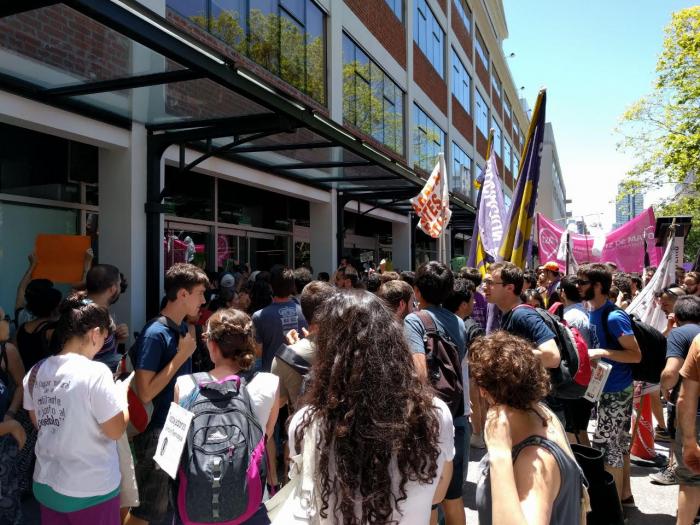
{"points": [[426, 77], [483, 75], [508, 179], [381, 21], [64, 39], [463, 36], [443, 5], [508, 127], [462, 120], [497, 104]]}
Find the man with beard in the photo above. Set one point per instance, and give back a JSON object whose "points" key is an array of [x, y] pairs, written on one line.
{"points": [[617, 346], [104, 285]]}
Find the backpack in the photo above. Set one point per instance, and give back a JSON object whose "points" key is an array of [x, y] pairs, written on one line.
{"points": [[570, 380], [222, 471], [139, 412], [443, 365], [651, 342]]}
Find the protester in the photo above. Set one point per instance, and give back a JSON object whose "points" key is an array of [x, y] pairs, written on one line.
{"points": [[409, 277], [347, 278], [80, 413], [680, 274], [33, 336], [552, 276], [392, 459], [529, 280], [260, 294], [691, 283], [649, 272], [323, 276], [399, 297], [578, 411], [688, 437], [529, 474], [533, 298], [373, 282], [302, 277], [12, 433], [687, 317], [461, 303], [502, 286], [385, 277], [480, 310], [635, 285], [434, 284], [618, 347], [231, 345], [312, 298], [161, 354]]}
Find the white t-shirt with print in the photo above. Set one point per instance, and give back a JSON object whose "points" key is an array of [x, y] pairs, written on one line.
{"points": [[72, 397], [262, 391], [415, 509]]}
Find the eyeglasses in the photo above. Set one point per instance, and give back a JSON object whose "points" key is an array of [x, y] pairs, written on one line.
{"points": [[581, 282], [489, 282]]}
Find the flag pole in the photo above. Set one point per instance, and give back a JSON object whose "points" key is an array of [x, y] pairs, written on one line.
{"points": [[442, 241]]}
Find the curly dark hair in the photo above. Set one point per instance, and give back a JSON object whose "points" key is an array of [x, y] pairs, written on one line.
{"points": [[371, 407], [505, 366]]}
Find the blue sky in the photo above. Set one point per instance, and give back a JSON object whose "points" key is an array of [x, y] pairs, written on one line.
{"points": [[595, 58]]}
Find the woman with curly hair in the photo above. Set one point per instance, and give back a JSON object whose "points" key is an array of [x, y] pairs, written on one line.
{"points": [[529, 474], [385, 444], [231, 345]]}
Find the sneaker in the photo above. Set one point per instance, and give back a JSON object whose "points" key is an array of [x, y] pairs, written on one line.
{"points": [[666, 476], [661, 434], [477, 441]]}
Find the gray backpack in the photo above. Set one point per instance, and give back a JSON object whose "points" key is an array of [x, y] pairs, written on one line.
{"points": [[223, 468]]}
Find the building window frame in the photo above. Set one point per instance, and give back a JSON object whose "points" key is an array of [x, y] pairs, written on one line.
{"points": [[428, 139], [458, 182], [381, 89], [497, 138], [481, 110], [461, 82], [506, 107], [396, 7], [481, 49], [429, 35], [465, 14], [496, 84]]}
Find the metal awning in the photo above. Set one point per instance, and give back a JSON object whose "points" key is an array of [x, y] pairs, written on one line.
{"points": [[119, 62]]}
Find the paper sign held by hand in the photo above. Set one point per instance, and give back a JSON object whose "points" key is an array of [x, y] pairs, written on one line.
{"points": [[60, 258], [172, 439], [598, 380]]}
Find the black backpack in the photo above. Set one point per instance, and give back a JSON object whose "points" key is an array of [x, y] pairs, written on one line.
{"points": [[564, 378], [223, 469], [651, 342], [443, 365]]}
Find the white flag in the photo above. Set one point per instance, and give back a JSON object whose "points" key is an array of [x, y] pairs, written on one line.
{"points": [[645, 305]]}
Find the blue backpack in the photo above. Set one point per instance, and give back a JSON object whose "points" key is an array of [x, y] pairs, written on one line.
{"points": [[223, 469]]}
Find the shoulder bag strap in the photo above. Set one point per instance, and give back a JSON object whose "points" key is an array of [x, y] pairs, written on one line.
{"points": [[294, 360], [427, 320]]}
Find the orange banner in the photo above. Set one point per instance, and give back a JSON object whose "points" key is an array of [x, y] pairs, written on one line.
{"points": [[60, 258]]}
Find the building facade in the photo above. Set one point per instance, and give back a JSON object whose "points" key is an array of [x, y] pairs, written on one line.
{"points": [[551, 195], [627, 206], [259, 131]]}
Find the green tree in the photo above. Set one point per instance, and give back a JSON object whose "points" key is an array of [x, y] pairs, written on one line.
{"points": [[662, 129]]}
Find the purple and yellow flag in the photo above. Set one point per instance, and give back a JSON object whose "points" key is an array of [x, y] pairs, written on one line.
{"points": [[516, 242]]}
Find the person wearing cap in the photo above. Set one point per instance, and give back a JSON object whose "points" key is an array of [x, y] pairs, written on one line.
{"points": [[227, 281], [552, 278]]}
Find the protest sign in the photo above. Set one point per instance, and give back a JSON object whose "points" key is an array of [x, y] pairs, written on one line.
{"points": [[172, 439]]}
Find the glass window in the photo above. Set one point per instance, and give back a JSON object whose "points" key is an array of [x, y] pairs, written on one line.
{"points": [[428, 139], [42, 166], [461, 179], [286, 37], [497, 139], [371, 100], [397, 7], [482, 113], [429, 36], [181, 246], [507, 199], [481, 50], [516, 166], [496, 83], [189, 194], [464, 13], [506, 107], [461, 82], [507, 152]]}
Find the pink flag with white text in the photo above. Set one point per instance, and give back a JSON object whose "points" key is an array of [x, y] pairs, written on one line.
{"points": [[624, 246]]}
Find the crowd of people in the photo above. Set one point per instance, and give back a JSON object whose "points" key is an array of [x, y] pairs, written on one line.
{"points": [[392, 376]]}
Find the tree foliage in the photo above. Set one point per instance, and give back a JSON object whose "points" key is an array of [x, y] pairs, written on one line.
{"points": [[662, 129]]}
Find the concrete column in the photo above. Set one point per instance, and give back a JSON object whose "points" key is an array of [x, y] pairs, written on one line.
{"points": [[401, 245], [122, 242], [324, 224], [334, 49]]}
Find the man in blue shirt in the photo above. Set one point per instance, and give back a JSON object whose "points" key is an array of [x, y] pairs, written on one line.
{"points": [[161, 354], [434, 284], [618, 347]]}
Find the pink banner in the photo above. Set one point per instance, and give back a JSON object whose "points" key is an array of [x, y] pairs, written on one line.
{"points": [[623, 246]]}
